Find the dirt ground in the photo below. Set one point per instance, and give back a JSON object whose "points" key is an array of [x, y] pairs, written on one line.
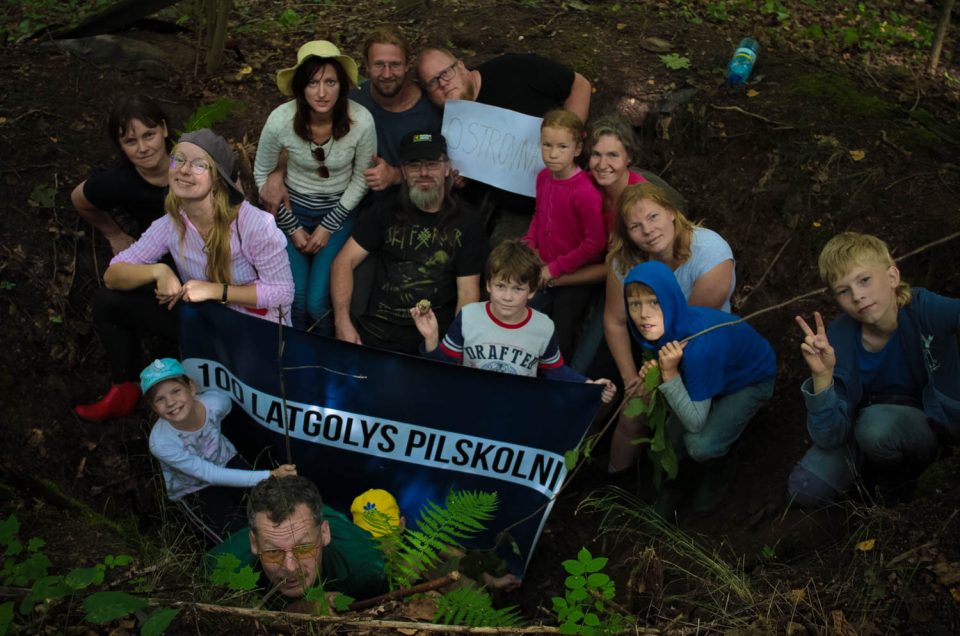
{"points": [[819, 145]]}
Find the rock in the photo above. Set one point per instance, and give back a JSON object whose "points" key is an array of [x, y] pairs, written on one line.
{"points": [[127, 54]]}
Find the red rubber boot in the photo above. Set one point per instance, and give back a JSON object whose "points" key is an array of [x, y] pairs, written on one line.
{"points": [[120, 401]]}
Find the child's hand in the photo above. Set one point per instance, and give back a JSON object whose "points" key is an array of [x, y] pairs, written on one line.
{"points": [[426, 323], [545, 276], [284, 470], [649, 364], [609, 389], [669, 358], [817, 352]]}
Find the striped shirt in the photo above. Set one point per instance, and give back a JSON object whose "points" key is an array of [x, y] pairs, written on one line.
{"points": [[345, 158], [259, 257]]}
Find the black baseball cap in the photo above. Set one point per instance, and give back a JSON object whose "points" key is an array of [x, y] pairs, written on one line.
{"points": [[418, 146]]}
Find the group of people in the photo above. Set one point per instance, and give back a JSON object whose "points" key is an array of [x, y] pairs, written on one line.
{"points": [[369, 234]]}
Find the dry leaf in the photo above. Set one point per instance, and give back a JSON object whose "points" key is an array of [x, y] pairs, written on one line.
{"points": [[752, 93], [3, 120], [947, 573], [840, 626], [866, 546], [621, 26], [797, 595], [955, 593], [857, 155]]}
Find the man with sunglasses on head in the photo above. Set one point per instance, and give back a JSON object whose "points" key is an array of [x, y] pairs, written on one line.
{"points": [[429, 246], [299, 541], [521, 82]]}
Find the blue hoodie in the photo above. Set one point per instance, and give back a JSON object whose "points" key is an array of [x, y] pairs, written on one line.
{"points": [[717, 363]]}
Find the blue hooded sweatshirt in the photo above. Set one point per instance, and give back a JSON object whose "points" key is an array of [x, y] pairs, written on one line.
{"points": [[717, 363]]}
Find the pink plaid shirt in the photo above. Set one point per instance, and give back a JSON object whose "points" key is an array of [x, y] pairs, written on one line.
{"points": [[259, 257]]}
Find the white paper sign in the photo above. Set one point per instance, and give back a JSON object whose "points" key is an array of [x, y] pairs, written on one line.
{"points": [[494, 145]]}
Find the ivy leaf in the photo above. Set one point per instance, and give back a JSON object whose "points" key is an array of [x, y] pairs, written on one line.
{"points": [[103, 607], [159, 621], [675, 61]]}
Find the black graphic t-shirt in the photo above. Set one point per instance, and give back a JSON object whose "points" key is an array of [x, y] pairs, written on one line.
{"points": [[417, 259]]}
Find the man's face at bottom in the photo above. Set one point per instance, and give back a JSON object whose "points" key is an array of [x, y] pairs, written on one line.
{"points": [[426, 181], [291, 552]]}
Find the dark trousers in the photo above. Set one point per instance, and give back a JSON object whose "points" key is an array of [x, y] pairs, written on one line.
{"points": [[567, 306], [120, 317]]}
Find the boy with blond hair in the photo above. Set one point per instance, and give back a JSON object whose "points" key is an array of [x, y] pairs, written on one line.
{"points": [[503, 334], [884, 377]]}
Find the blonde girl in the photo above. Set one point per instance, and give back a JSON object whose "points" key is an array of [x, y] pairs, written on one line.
{"points": [[567, 229]]}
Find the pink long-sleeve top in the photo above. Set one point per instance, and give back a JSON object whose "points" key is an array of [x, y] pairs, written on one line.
{"points": [[567, 227], [258, 250]]}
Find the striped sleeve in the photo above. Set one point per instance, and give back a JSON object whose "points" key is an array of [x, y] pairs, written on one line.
{"points": [[286, 221], [551, 358], [452, 343]]}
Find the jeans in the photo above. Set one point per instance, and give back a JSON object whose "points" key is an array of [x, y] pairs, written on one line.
{"points": [[886, 434], [311, 272], [567, 306], [728, 418]]}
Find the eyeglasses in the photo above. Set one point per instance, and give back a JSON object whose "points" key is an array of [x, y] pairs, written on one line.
{"points": [[197, 166], [322, 169], [430, 164], [300, 552], [446, 75]]}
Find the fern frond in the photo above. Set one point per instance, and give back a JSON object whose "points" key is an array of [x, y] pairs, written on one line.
{"points": [[209, 114], [474, 607], [439, 529]]}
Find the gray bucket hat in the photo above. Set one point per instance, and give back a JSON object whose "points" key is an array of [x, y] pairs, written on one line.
{"points": [[222, 155]]}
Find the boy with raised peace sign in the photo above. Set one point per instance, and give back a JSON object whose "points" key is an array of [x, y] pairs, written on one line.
{"points": [[885, 376]]}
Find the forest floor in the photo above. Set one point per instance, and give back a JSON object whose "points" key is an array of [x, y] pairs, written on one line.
{"points": [[840, 128]]}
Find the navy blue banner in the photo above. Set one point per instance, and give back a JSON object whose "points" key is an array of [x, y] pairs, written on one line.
{"points": [[362, 418]]}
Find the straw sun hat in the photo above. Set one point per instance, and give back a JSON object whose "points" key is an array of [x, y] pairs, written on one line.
{"points": [[316, 48]]}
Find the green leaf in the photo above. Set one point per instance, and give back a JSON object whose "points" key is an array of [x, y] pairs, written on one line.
{"points": [[559, 603], [6, 617], [574, 581], [652, 379], [289, 18], [584, 556], [342, 602], [318, 595], [591, 620], [118, 561], [45, 588], [35, 544], [598, 579], [640, 440], [569, 628], [14, 547], [573, 567], [210, 114], [675, 61], [103, 607], [577, 5], [570, 458], [42, 196], [82, 578], [596, 564], [635, 407], [225, 573], [579, 594], [159, 620]]}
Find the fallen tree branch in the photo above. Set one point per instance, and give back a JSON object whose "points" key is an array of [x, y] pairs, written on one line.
{"points": [[420, 588], [754, 115], [345, 621]]}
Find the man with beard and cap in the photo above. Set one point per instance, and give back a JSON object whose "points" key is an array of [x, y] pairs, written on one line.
{"points": [[714, 383], [429, 246]]}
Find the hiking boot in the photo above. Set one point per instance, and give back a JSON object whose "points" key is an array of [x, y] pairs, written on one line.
{"points": [[120, 401], [669, 499], [713, 486]]}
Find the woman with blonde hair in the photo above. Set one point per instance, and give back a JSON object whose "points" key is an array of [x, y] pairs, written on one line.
{"points": [[224, 249], [650, 225]]}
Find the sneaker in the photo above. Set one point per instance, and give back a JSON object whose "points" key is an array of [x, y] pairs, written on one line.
{"points": [[120, 401]]}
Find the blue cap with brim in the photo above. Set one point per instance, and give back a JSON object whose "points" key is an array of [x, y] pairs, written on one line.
{"points": [[158, 371]]}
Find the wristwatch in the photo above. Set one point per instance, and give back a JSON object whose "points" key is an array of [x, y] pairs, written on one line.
{"points": [[223, 298]]}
